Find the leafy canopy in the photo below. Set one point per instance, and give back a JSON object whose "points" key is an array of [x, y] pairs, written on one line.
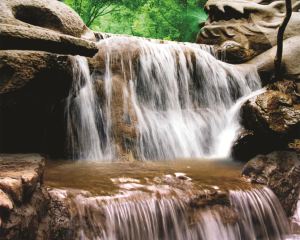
{"points": [[164, 19]]}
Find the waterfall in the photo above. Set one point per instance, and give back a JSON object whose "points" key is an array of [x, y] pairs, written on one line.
{"points": [[183, 102], [85, 120], [251, 214], [183, 97]]}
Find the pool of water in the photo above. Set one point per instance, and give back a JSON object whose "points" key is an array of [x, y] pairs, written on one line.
{"points": [[99, 178]]}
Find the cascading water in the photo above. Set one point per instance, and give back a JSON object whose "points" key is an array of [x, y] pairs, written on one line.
{"points": [[85, 117], [167, 214], [184, 99], [183, 103]]}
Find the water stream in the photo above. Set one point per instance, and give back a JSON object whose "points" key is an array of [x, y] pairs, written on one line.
{"points": [[185, 200]]}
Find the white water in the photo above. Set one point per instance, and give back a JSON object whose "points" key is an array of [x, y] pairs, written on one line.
{"points": [[186, 102], [184, 98], [84, 116], [171, 216]]}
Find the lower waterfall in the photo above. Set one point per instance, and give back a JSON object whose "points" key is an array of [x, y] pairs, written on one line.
{"points": [[182, 101], [167, 215]]}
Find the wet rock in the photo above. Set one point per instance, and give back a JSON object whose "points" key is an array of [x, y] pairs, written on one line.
{"points": [[271, 122], [44, 25], [272, 112], [18, 68], [281, 172]]}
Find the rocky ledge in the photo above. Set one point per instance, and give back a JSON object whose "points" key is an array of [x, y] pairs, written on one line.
{"points": [[23, 202], [29, 210]]}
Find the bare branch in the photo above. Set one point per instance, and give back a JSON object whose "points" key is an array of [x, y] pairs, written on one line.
{"points": [[280, 36]]}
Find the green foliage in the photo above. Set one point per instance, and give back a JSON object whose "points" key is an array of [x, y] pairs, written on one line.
{"points": [[164, 19]]}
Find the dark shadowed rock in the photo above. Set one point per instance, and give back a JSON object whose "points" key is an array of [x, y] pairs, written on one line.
{"points": [[33, 86]]}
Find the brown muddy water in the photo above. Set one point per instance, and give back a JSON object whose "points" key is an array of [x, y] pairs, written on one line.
{"points": [[99, 178]]}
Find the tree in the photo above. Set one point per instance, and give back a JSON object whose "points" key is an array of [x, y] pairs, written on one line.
{"points": [[90, 10], [163, 19]]}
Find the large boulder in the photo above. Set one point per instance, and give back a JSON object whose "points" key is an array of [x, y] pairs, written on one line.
{"points": [[44, 25], [273, 112], [271, 121]]}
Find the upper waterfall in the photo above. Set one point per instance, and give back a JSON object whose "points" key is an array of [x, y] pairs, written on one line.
{"points": [[177, 99]]}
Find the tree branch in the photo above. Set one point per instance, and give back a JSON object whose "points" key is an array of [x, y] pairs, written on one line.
{"points": [[280, 36]]}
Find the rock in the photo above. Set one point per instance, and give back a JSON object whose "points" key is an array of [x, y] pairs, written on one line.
{"points": [[33, 88], [24, 169], [281, 172], [272, 112], [271, 121], [251, 29], [19, 68], [5, 202], [13, 187], [21, 38], [44, 25], [26, 204]]}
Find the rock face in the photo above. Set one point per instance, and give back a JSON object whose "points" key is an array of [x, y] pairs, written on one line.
{"points": [[44, 25], [32, 88], [281, 172], [35, 77], [271, 121], [23, 202]]}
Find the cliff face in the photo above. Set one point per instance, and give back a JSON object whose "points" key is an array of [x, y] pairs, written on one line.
{"points": [[36, 41]]}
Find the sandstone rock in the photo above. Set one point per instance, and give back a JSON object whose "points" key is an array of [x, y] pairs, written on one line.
{"points": [[44, 25], [13, 187], [18, 68], [27, 169], [250, 29], [271, 121], [5, 202], [281, 172], [22, 217], [21, 38]]}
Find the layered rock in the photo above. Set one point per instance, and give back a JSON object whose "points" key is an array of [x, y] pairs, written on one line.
{"points": [[246, 29], [44, 25]]}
